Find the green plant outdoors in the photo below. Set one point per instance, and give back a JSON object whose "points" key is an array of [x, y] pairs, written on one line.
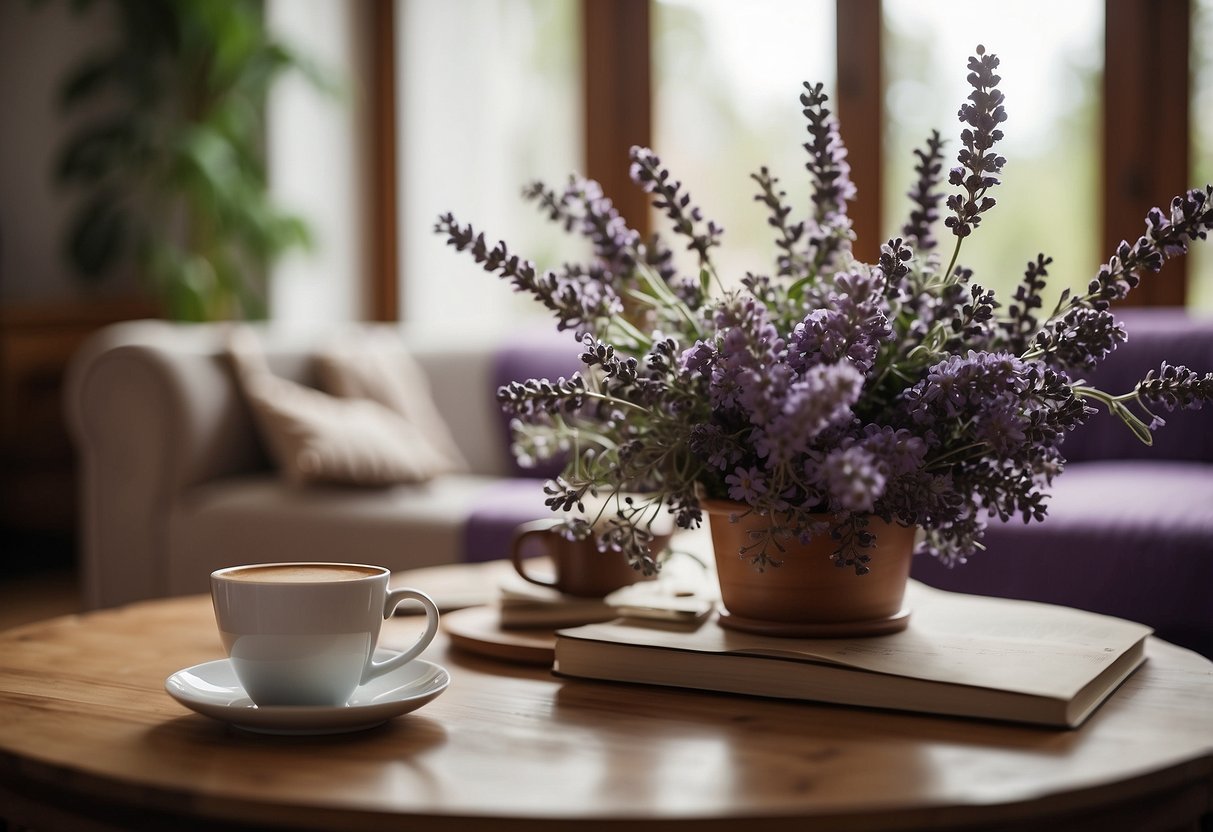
{"points": [[170, 160]]}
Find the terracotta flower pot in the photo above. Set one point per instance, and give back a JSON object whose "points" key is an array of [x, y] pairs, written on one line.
{"points": [[808, 595]]}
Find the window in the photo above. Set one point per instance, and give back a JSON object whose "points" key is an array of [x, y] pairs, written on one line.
{"points": [[489, 99], [1047, 201], [727, 80], [720, 101]]}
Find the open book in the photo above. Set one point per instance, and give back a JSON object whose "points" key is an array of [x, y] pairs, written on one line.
{"points": [[962, 655]]}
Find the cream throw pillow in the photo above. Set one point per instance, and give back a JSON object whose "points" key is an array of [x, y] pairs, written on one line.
{"points": [[375, 365], [318, 438]]}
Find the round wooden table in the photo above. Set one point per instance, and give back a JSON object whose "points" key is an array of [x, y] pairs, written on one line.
{"points": [[89, 740]]}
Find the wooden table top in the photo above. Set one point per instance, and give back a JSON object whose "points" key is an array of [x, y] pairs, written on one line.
{"points": [[86, 730]]}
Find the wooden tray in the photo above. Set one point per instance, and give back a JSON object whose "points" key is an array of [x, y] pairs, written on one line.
{"points": [[478, 630]]}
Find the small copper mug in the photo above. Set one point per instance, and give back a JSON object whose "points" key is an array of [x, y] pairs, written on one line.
{"points": [[579, 568]]}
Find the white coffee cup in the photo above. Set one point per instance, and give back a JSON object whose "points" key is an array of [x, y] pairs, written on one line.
{"points": [[305, 633]]}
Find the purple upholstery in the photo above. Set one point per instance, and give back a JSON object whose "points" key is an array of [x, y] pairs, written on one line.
{"points": [[508, 504], [502, 508], [1154, 335], [1130, 527], [1148, 558], [542, 355]]}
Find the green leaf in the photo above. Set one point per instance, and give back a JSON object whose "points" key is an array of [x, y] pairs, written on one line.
{"points": [[98, 234], [796, 290], [98, 150], [89, 76], [1139, 428]]}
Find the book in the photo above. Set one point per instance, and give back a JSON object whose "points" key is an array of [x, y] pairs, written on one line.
{"points": [[523, 605], [961, 655], [683, 591]]}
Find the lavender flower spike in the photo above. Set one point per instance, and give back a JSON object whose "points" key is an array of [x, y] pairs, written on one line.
{"points": [[978, 170], [1190, 219], [647, 172], [830, 229], [827, 157], [926, 198]]}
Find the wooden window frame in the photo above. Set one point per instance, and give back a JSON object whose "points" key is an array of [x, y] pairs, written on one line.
{"points": [[384, 290], [617, 81], [1146, 135]]}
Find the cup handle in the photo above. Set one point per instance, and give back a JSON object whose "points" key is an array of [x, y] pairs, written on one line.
{"points": [[537, 528], [393, 600]]}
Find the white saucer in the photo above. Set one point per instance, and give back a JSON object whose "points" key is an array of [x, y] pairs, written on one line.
{"points": [[212, 689]]}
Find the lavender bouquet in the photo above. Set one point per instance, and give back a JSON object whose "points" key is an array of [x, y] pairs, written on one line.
{"points": [[830, 390]]}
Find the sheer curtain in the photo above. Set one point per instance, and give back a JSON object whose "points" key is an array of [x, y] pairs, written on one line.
{"points": [[727, 82], [489, 98]]}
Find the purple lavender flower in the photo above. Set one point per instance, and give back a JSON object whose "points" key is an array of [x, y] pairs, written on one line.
{"points": [[827, 156], [828, 391], [851, 328], [583, 207], [790, 262], [1078, 340], [697, 358], [1190, 219], [1020, 323], [979, 169], [854, 479], [830, 230], [746, 485], [647, 172], [579, 303], [925, 195]]}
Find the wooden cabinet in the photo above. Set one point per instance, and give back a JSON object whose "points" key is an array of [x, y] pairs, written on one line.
{"points": [[37, 466]]}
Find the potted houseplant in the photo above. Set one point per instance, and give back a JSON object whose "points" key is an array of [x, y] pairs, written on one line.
{"points": [[169, 162], [831, 415]]}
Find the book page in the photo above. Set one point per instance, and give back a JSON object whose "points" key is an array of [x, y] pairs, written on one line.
{"points": [[1020, 646]]}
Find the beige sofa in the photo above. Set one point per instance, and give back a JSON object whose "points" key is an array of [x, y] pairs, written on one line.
{"points": [[176, 480]]}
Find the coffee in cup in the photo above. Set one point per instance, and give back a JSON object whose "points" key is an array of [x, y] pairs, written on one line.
{"points": [[305, 633], [579, 568]]}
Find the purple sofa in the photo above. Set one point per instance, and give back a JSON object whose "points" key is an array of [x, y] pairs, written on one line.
{"points": [[1130, 527]]}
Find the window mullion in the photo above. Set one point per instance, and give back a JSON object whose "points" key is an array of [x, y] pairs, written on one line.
{"points": [[1145, 128], [861, 116], [618, 99]]}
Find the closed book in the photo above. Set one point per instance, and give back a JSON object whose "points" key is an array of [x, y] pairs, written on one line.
{"points": [[681, 593], [961, 655], [525, 605]]}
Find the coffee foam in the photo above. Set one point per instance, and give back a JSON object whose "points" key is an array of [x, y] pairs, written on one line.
{"points": [[301, 573]]}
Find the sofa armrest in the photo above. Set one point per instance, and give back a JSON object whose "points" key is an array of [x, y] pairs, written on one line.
{"points": [[155, 410], [152, 414]]}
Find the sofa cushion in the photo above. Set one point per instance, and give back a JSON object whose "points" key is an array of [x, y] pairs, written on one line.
{"points": [[318, 438], [505, 505], [1154, 334], [548, 355], [253, 519], [375, 365], [1122, 537]]}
